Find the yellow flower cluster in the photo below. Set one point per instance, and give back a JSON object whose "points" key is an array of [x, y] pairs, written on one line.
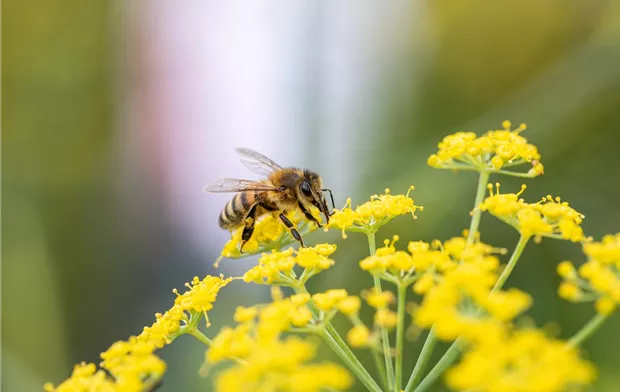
{"points": [[267, 361], [360, 335], [269, 233], [463, 304], [598, 279], [370, 216], [550, 217], [133, 371], [132, 365], [492, 151], [277, 267], [520, 361], [425, 262]]}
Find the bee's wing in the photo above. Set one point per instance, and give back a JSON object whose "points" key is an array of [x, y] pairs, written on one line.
{"points": [[236, 185], [257, 162]]}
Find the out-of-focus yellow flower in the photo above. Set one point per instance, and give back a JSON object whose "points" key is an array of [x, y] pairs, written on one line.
{"points": [[598, 279], [276, 267], [521, 361], [492, 152], [269, 233], [267, 361], [349, 305], [370, 216], [359, 336], [452, 305], [330, 299], [385, 318], [131, 367], [378, 299], [550, 217]]}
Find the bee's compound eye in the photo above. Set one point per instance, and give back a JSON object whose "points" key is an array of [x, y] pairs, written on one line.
{"points": [[305, 189]]}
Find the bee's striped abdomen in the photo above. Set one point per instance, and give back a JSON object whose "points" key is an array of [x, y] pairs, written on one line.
{"points": [[232, 215]]}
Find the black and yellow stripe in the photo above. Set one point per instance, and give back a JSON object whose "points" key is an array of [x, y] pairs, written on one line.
{"points": [[232, 215]]}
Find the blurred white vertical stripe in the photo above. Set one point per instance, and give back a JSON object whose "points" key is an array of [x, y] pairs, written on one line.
{"points": [[297, 81]]}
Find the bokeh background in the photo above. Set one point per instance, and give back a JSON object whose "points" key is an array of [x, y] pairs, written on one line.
{"points": [[116, 113]]}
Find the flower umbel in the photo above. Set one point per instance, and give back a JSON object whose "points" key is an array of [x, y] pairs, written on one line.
{"points": [[550, 217], [598, 279], [372, 215], [520, 361], [496, 149], [277, 267], [265, 360]]}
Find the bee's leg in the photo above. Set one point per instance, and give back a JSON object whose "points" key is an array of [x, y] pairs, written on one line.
{"points": [[248, 229], [308, 215], [331, 196], [292, 228]]}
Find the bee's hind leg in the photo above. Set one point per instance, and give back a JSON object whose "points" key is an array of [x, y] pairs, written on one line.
{"points": [[292, 228]]}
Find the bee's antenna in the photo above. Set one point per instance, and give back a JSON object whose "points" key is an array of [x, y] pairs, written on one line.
{"points": [[331, 196]]}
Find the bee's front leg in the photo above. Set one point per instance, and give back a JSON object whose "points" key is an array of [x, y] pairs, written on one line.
{"points": [[308, 215], [292, 228]]}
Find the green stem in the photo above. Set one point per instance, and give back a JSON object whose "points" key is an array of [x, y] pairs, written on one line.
{"points": [[380, 367], [587, 330], [351, 362], [195, 332], [483, 180], [400, 336], [442, 365], [385, 336], [340, 347], [516, 174], [516, 254], [429, 344], [422, 362]]}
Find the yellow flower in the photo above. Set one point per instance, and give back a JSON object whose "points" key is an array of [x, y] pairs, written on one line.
{"points": [[548, 218], [243, 314], [132, 367], [607, 251], [370, 216], [315, 257], [451, 306], [378, 299], [267, 361], [490, 152], [521, 361], [385, 318], [569, 291], [269, 233], [358, 336], [598, 279], [276, 267], [349, 305], [131, 363], [85, 377], [330, 299], [201, 294]]}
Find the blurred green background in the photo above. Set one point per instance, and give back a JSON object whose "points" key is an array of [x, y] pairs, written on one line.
{"points": [[89, 254]]}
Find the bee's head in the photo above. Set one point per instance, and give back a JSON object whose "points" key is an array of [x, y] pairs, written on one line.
{"points": [[311, 192]]}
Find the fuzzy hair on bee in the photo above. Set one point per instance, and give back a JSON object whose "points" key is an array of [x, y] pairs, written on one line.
{"points": [[282, 190]]}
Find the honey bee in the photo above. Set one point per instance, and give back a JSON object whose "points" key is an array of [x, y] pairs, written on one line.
{"points": [[283, 190]]}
